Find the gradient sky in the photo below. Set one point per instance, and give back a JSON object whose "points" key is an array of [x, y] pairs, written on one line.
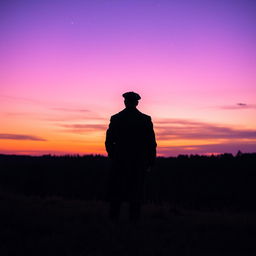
{"points": [[65, 64]]}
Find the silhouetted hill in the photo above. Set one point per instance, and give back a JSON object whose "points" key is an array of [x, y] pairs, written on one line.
{"points": [[195, 182]]}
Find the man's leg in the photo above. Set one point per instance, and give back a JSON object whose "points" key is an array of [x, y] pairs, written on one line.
{"points": [[135, 211], [114, 210]]}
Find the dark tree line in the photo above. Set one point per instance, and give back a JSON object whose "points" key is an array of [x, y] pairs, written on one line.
{"points": [[198, 182]]}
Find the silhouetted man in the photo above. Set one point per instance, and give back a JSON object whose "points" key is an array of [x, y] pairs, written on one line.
{"points": [[131, 146]]}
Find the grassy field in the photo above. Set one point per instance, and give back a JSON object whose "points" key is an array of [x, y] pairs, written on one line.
{"points": [[54, 226]]}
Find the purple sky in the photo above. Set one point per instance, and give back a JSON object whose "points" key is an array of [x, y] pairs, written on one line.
{"points": [[65, 64]]}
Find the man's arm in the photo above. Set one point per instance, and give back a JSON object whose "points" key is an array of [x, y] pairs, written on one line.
{"points": [[152, 143], [110, 142]]}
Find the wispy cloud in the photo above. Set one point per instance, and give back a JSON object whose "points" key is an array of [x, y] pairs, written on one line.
{"points": [[72, 110], [241, 104], [238, 106], [25, 100], [67, 114], [49, 110], [167, 129], [224, 138], [7, 136], [83, 128]]}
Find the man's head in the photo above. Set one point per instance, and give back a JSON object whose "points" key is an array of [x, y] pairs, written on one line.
{"points": [[131, 99]]}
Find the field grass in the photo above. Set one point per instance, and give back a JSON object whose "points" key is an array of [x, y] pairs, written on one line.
{"points": [[54, 226]]}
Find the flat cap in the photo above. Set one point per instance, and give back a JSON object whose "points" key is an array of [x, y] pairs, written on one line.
{"points": [[131, 96]]}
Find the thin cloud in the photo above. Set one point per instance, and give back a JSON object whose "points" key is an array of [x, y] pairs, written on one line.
{"points": [[72, 110], [167, 129], [167, 121], [7, 136], [241, 104], [21, 99], [83, 128], [65, 114], [238, 106], [73, 118]]}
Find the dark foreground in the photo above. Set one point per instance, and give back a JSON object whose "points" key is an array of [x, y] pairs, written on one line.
{"points": [[54, 226]]}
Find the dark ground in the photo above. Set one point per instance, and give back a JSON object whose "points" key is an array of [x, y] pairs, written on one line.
{"points": [[56, 226]]}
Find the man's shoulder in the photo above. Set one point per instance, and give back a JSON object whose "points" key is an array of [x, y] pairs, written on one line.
{"points": [[126, 115], [146, 117], [117, 115]]}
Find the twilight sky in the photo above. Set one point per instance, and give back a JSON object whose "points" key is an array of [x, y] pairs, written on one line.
{"points": [[65, 64]]}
